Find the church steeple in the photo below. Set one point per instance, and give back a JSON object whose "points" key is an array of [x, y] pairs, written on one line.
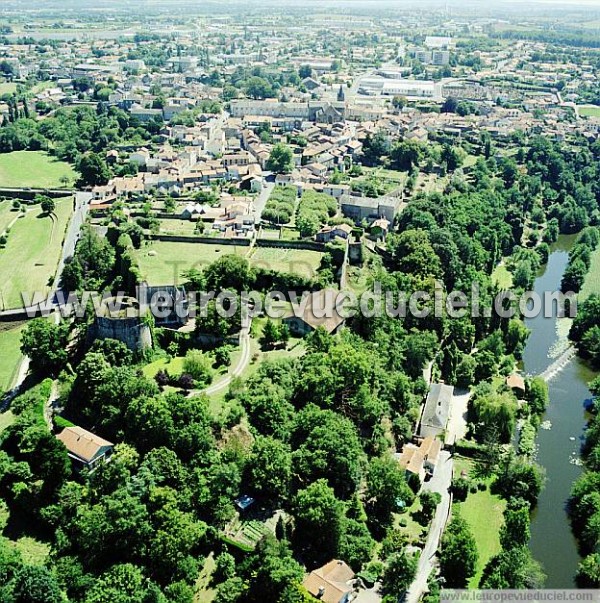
{"points": [[341, 94]]}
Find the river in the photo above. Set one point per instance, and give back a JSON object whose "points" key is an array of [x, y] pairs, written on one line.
{"points": [[559, 440]]}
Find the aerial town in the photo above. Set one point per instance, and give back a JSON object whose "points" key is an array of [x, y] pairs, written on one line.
{"points": [[175, 425]]}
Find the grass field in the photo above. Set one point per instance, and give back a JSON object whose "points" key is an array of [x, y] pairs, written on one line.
{"points": [[186, 227], [34, 169], [7, 215], [33, 551], [294, 261], [589, 111], [483, 511], [6, 420], [7, 88], [163, 262], [30, 258], [174, 366], [408, 525], [591, 284], [10, 341]]}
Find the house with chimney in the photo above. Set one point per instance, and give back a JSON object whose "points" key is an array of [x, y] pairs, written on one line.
{"points": [[332, 583]]}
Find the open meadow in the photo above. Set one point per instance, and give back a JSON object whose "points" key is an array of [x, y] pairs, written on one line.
{"points": [[7, 214], [484, 512], [589, 111], [301, 262], [30, 258], [34, 169], [164, 262], [10, 342]]}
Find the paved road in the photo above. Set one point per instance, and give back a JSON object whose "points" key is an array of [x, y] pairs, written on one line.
{"points": [[81, 202], [440, 482], [237, 371], [261, 199]]}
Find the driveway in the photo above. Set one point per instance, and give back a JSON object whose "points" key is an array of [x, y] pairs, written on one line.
{"points": [[456, 429], [440, 482]]}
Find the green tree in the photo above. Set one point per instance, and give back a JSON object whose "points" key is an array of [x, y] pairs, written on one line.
{"points": [[258, 87], [319, 521], [93, 170], [429, 501], [230, 272], [520, 478], [44, 342], [405, 156], [270, 571], [305, 71], [271, 468], [270, 335], [399, 573], [537, 395], [588, 572], [414, 254], [574, 276], [123, 583], [47, 204], [452, 157], [35, 584], [458, 557], [386, 490], [492, 408], [281, 160], [357, 544], [511, 569], [399, 102], [327, 446], [230, 591], [515, 530]]}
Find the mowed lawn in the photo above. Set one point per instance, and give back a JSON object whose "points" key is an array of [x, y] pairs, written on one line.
{"points": [[164, 262], [484, 512], [10, 342], [30, 258], [591, 284], [589, 111], [172, 226], [293, 261], [173, 366], [33, 169]]}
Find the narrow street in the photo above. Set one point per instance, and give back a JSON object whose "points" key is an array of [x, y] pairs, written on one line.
{"points": [[440, 482], [262, 198]]}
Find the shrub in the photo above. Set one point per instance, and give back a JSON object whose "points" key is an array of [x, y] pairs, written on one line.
{"points": [[198, 366]]}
